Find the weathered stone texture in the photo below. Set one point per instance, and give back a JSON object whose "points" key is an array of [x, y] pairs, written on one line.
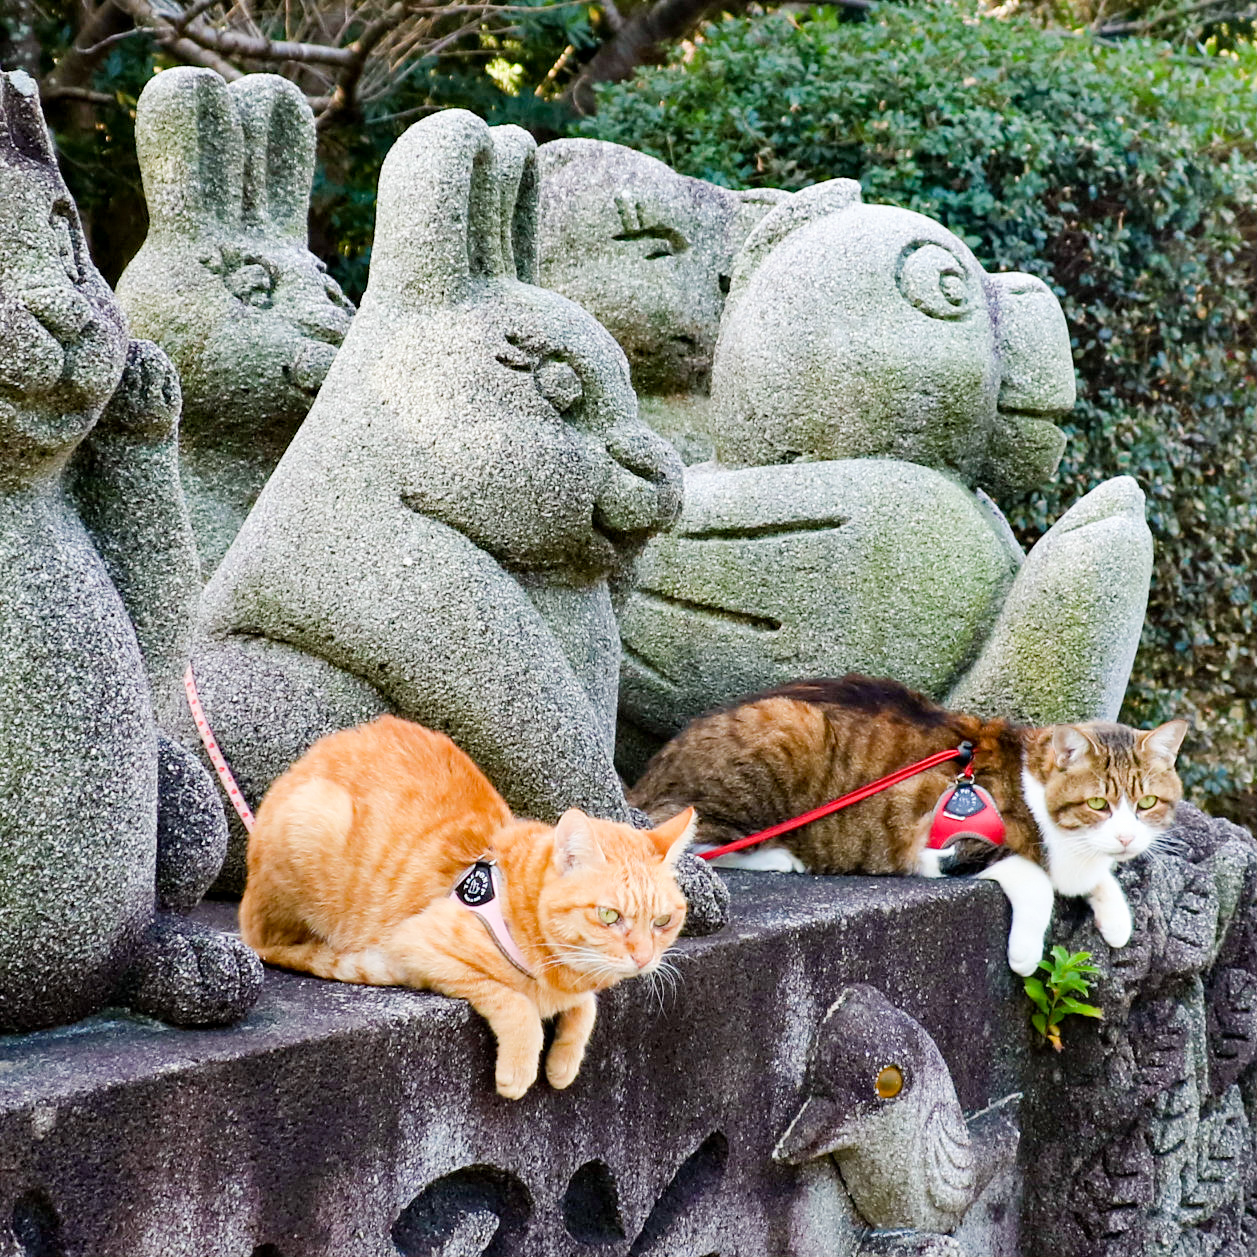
{"points": [[870, 381], [225, 283], [83, 408], [649, 253], [1142, 1131], [440, 538], [342, 1121]]}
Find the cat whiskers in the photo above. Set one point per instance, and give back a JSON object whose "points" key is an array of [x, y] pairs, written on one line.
{"points": [[587, 960], [662, 979]]}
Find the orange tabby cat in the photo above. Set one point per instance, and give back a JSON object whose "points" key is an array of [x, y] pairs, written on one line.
{"points": [[359, 845]]}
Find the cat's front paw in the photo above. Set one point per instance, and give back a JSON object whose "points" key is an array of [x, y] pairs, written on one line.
{"points": [[1112, 912], [1024, 955], [563, 1064], [513, 1077], [1113, 920]]}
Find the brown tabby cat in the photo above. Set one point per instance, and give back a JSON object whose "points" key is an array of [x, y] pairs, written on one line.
{"points": [[1076, 799], [358, 847]]}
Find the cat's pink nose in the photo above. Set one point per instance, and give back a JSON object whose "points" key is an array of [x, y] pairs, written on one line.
{"points": [[1126, 840]]}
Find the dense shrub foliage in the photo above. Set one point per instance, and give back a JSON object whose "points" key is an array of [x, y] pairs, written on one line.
{"points": [[1125, 176]]}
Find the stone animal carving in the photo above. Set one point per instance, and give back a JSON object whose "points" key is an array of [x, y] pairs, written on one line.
{"points": [[865, 332], [879, 1099], [439, 538], [1141, 1133], [225, 283], [100, 816], [649, 253]]}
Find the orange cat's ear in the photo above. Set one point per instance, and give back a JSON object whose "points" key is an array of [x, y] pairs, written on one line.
{"points": [[1165, 739], [1068, 744], [673, 836], [575, 846]]}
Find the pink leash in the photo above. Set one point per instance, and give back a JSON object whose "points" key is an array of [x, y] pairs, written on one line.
{"points": [[211, 749]]}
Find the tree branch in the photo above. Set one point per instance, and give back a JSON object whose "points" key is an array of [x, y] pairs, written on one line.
{"points": [[345, 91], [638, 38]]}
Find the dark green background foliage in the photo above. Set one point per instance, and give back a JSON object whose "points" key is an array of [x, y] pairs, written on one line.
{"points": [[1125, 176]]}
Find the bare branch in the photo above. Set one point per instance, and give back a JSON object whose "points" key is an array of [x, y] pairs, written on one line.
{"points": [[57, 91], [190, 15], [347, 85], [634, 43], [97, 48]]}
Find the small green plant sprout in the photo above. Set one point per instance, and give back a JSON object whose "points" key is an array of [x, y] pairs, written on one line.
{"points": [[1053, 995]]}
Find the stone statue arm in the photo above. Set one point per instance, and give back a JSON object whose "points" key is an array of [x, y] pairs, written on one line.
{"points": [[442, 632], [124, 481], [1064, 642]]}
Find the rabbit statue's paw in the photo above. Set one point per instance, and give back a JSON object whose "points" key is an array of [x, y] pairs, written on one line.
{"points": [[187, 974], [147, 401]]}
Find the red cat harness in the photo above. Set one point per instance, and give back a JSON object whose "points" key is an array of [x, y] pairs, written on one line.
{"points": [[965, 810], [479, 890]]}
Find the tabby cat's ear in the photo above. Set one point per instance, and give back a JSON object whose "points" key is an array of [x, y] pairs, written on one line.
{"points": [[673, 836], [1069, 743], [1165, 739], [575, 846]]}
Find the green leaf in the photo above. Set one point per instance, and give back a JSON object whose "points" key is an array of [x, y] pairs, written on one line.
{"points": [[1082, 1010], [1034, 989], [1039, 1022]]}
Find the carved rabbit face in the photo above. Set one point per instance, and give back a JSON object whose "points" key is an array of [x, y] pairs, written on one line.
{"points": [[648, 252], [515, 404], [866, 330], [225, 282], [62, 336]]}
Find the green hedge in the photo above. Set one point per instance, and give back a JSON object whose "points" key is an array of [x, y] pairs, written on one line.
{"points": [[1123, 175]]}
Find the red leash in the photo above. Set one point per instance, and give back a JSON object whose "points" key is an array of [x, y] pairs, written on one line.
{"points": [[964, 753]]}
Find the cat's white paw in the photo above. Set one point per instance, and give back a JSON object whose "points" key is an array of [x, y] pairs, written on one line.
{"points": [[1112, 912], [769, 858], [1113, 920], [928, 863], [1024, 954]]}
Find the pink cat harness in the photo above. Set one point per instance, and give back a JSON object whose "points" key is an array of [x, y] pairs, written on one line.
{"points": [[479, 890]]}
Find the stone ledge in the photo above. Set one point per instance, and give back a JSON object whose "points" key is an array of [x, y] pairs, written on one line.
{"points": [[314, 1126]]}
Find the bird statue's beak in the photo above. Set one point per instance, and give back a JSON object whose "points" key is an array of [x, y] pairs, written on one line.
{"points": [[821, 1127]]}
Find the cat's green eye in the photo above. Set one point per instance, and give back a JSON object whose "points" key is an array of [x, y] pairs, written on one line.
{"points": [[1098, 805], [608, 916], [662, 923], [1149, 800]]}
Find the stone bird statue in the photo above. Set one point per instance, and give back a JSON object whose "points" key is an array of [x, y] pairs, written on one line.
{"points": [[879, 1099]]}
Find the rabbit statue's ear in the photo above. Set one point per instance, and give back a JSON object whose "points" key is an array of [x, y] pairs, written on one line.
{"points": [[818, 201], [23, 132], [191, 150], [445, 212], [515, 170], [279, 146]]}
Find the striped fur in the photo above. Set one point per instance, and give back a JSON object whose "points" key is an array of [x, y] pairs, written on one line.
{"points": [[359, 844], [1076, 799]]}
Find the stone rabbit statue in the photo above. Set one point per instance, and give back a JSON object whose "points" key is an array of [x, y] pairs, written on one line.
{"points": [[441, 538], [225, 283], [105, 826], [649, 253], [871, 381]]}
